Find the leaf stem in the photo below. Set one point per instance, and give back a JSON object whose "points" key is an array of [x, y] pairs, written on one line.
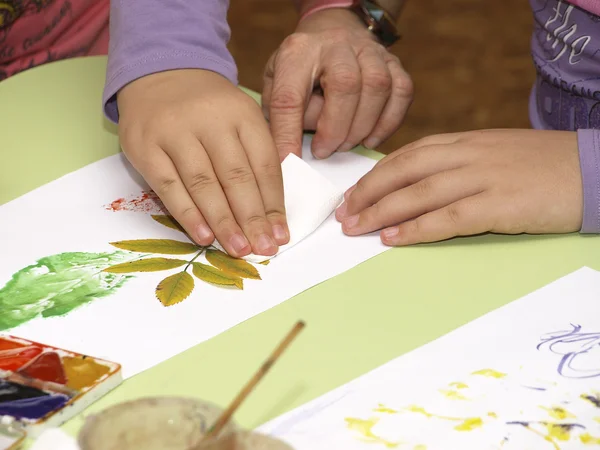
{"points": [[194, 258]]}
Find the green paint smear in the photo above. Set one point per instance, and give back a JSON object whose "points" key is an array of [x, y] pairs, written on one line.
{"points": [[58, 284]]}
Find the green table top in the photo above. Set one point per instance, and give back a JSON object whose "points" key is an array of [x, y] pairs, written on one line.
{"points": [[52, 124]]}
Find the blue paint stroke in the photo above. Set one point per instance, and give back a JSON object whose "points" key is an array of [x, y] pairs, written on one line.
{"points": [[535, 388], [577, 344], [33, 408], [565, 426]]}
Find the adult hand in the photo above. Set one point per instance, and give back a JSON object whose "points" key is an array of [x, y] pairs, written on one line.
{"points": [[205, 148], [366, 92], [503, 181]]}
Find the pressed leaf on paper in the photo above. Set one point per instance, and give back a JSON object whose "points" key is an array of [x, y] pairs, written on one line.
{"points": [[168, 221], [58, 284], [146, 265], [216, 276], [162, 246], [175, 288], [231, 265]]}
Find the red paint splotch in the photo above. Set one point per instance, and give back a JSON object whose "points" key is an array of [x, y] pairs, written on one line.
{"points": [[46, 367], [147, 202]]}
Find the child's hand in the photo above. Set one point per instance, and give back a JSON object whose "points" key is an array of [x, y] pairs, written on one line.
{"points": [[205, 148], [366, 91], [503, 181]]}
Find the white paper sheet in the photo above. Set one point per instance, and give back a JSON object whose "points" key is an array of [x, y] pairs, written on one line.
{"points": [[526, 376], [55, 439], [129, 326], [310, 198]]}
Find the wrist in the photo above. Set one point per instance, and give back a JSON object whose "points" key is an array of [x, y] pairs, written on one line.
{"points": [[379, 17], [310, 7], [330, 19]]}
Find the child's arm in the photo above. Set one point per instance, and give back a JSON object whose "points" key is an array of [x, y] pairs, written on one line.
{"points": [[155, 35], [503, 181], [589, 160], [201, 144]]}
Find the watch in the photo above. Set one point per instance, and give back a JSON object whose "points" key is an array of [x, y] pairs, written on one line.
{"points": [[377, 20]]}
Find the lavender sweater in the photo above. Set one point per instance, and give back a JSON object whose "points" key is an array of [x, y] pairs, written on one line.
{"points": [[149, 37]]}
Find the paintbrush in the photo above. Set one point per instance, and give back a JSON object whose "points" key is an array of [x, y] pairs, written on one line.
{"points": [[25, 380], [262, 371]]}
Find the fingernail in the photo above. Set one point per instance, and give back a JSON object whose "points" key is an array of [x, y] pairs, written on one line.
{"points": [[372, 143], [390, 233], [351, 221], [265, 244], [342, 211], [204, 234], [279, 233], [320, 153], [348, 192], [345, 147], [239, 243]]}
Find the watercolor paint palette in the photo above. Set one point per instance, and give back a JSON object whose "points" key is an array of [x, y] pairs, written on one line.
{"points": [[42, 386]]}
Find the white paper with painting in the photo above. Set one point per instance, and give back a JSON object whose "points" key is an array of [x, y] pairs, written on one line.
{"points": [[526, 376], [64, 284]]}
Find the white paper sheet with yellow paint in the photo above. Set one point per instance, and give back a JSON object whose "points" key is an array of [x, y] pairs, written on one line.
{"points": [[51, 237], [526, 376]]}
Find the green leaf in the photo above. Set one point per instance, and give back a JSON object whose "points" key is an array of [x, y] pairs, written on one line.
{"points": [[162, 246], [146, 265], [234, 266], [168, 221], [216, 276], [175, 288], [58, 284]]}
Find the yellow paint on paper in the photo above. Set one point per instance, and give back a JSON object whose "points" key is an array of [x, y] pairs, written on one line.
{"points": [[597, 419], [420, 410], [546, 438], [489, 373], [365, 427], [420, 447], [493, 414], [453, 395], [382, 409], [558, 413], [458, 385], [558, 431], [469, 424], [588, 439]]}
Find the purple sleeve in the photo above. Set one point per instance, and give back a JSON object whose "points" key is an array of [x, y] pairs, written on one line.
{"points": [[589, 160], [149, 36]]}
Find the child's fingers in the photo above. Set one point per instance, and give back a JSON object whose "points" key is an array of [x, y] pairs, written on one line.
{"points": [[428, 141], [162, 176], [202, 184], [404, 170], [468, 216], [420, 198], [236, 176], [264, 161]]}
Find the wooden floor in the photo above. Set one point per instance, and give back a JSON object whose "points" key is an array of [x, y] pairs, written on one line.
{"points": [[469, 59]]}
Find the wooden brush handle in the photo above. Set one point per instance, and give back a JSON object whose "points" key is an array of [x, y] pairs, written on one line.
{"points": [[226, 416]]}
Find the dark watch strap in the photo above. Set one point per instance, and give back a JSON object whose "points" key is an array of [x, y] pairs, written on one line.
{"points": [[377, 20]]}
